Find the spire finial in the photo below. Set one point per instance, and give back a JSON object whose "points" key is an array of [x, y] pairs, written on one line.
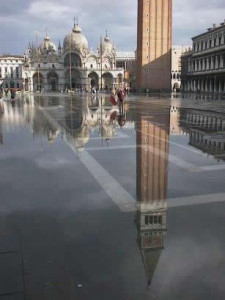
{"points": [[106, 33], [74, 21]]}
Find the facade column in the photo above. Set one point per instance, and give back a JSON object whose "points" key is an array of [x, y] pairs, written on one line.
{"points": [[210, 84], [216, 62], [207, 63], [202, 85], [220, 85], [206, 85], [221, 61]]}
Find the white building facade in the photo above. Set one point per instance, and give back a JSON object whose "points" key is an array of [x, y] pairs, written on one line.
{"points": [[72, 66], [11, 71], [203, 68], [176, 67]]}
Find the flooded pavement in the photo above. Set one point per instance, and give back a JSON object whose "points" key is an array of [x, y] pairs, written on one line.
{"points": [[105, 203]]}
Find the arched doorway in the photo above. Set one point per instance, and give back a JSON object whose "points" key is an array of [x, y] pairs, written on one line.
{"points": [[53, 81], [93, 80], [107, 81], [73, 79], [38, 82], [73, 60], [176, 87]]}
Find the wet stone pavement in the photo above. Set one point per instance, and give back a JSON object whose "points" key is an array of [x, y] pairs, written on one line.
{"points": [[100, 202]]}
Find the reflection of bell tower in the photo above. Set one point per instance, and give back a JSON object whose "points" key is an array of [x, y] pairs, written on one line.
{"points": [[152, 167]]}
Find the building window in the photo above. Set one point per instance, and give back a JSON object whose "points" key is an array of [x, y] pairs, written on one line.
{"points": [[156, 220]]}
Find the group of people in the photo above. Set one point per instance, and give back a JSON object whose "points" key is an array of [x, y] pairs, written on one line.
{"points": [[121, 95]]}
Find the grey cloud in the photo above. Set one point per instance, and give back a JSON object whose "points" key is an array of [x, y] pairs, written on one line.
{"points": [[19, 19]]}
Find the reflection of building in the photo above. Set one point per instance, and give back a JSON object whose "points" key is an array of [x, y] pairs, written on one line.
{"points": [[203, 67], [152, 168], [56, 115], [175, 128], [1, 130], [154, 44], [11, 71], [73, 65], [206, 130]]}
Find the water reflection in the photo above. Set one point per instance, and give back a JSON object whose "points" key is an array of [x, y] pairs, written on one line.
{"points": [[152, 171], [206, 131], [1, 130], [89, 123]]}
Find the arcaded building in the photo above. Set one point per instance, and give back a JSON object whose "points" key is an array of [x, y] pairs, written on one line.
{"points": [[154, 42], [203, 67], [72, 65], [11, 71]]}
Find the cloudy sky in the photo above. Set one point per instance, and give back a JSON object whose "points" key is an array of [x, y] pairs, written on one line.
{"points": [[20, 19]]}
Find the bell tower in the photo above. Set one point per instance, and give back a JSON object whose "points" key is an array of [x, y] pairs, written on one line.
{"points": [[154, 43]]}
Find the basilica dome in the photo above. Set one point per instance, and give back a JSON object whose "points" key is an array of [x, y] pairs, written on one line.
{"points": [[48, 45], [75, 40], [107, 46]]}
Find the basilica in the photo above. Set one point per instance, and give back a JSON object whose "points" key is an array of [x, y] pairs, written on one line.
{"points": [[72, 66]]}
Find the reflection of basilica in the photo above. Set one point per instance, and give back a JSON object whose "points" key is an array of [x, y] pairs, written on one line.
{"points": [[152, 167], [56, 116], [206, 130]]}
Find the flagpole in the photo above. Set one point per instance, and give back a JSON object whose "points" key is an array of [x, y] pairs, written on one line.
{"points": [[38, 61], [101, 59], [70, 62]]}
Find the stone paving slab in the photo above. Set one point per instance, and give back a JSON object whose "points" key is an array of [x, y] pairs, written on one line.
{"points": [[11, 280], [13, 297], [8, 239]]}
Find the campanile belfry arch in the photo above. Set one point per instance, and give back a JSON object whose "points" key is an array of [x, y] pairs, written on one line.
{"points": [[154, 43]]}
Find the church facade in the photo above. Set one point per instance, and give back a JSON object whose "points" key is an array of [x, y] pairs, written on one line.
{"points": [[72, 66]]}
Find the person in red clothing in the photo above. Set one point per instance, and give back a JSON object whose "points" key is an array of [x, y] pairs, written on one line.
{"points": [[121, 95]]}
